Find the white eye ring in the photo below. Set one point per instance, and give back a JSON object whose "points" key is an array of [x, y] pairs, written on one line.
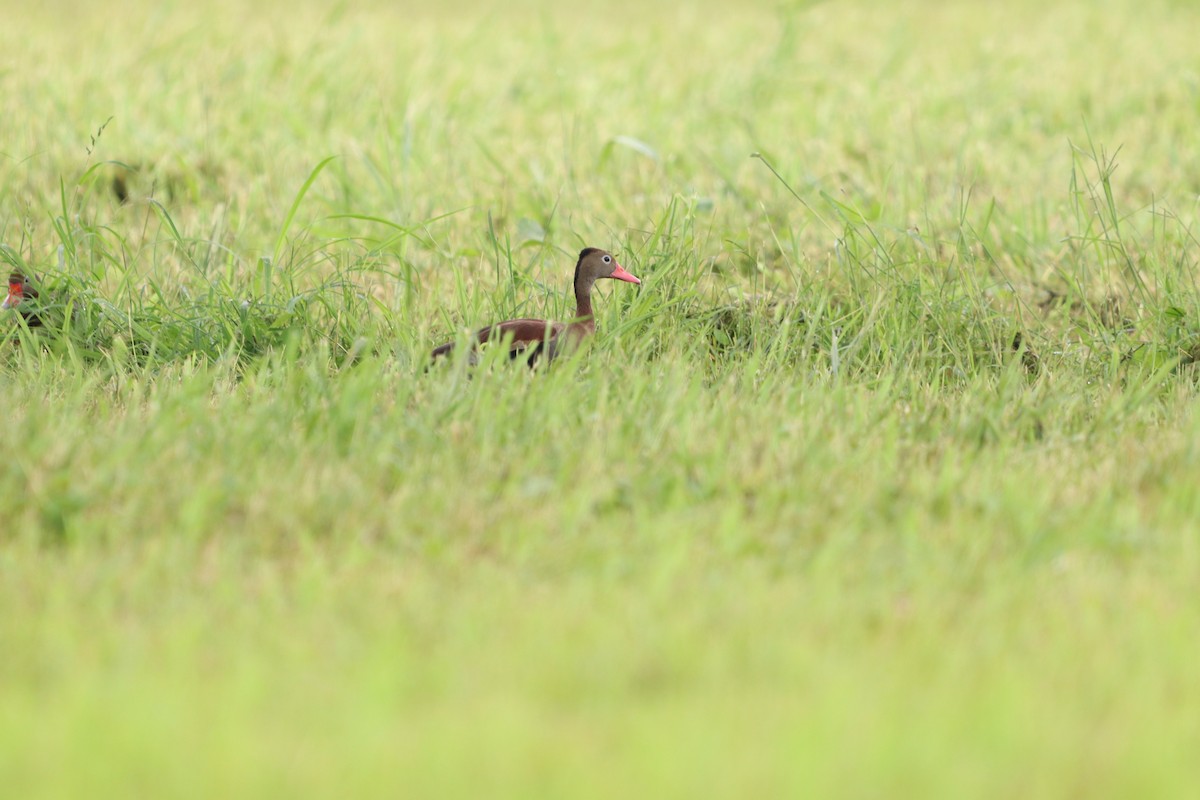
{"points": [[607, 259]]}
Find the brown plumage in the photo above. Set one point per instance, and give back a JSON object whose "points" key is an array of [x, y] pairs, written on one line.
{"points": [[19, 288], [533, 338]]}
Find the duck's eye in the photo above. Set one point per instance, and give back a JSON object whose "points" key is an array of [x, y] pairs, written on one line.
{"points": [[608, 259]]}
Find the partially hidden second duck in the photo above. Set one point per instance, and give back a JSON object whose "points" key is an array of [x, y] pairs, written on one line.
{"points": [[19, 288], [532, 339]]}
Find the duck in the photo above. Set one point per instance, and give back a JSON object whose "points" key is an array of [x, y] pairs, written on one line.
{"points": [[531, 339], [19, 289]]}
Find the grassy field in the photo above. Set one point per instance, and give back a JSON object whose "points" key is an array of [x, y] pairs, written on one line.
{"points": [[882, 483]]}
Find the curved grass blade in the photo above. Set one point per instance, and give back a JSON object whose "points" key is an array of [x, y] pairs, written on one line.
{"points": [[291, 215]]}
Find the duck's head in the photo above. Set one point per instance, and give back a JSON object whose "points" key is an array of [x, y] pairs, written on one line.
{"points": [[595, 263], [19, 289]]}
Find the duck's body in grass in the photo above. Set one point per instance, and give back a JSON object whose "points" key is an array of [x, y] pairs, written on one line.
{"points": [[532, 339]]}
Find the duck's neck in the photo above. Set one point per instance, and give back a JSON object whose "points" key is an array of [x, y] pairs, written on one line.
{"points": [[583, 303]]}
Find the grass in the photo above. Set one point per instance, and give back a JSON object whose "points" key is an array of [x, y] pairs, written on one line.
{"points": [[882, 483]]}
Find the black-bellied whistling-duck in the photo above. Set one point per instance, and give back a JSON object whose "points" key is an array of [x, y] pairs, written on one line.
{"points": [[533, 338], [19, 288]]}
